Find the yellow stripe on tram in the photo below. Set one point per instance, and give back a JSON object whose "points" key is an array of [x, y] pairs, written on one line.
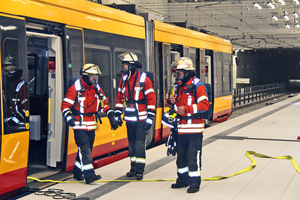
{"points": [[215, 178]]}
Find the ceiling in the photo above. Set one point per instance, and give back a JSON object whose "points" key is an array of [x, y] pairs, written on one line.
{"points": [[246, 24]]}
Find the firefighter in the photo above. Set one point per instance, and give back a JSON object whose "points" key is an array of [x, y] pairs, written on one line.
{"points": [[80, 108], [15, 96], [189, 101], [137, 91]]}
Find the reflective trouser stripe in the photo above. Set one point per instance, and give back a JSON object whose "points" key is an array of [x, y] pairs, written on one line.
{"points": [[195, 174], [182, 170], [140, 160], [133, 159]]}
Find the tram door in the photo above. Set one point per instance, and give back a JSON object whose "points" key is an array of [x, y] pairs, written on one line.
{"points": [[45, 65], [14, 116]]}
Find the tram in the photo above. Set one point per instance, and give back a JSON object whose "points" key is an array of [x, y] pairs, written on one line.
{"points": [[51, 40]]}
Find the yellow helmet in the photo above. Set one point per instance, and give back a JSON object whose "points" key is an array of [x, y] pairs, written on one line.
{"points": [[90, 69], [128, 57], [183, 63]]}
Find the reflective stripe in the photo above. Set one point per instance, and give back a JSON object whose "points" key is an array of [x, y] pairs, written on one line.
{"points": [[119, 105], [143, 113], [195, 174], [191, 125], [130, 118], [103, 108], [125, 77], [149, 121], [148, 91], [87, 167], [150, 107], [119, 89], [132, 159], [183, 170], [69, 101], [140, 160], [190, 130], [77, 85], [202, 98], [195, 110], [19, 86], [143, 77], [130, 109], [175, 107], [77, 164], [118, 111], [169, 125], [198, 161]]}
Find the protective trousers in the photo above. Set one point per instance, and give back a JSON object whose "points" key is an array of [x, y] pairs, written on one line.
{"points": [[189, 159], [136, 141], [83, 163]]}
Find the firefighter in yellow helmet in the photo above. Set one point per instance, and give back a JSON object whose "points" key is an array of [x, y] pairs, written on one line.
{"points": [[136, 89], [80, 108], [190, 100]]}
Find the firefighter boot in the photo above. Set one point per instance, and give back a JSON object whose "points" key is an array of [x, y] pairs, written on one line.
{"points": [[178, 185], [139, 176], [92, 178], [193, 189], [131, 173], [78, 177]]}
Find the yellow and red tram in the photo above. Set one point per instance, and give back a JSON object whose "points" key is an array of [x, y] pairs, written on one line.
{"points": [[51, 40]]}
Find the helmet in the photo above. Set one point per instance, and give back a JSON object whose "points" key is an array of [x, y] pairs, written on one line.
{"points": [[183, 63], [184, 70], [129, 57], [9, 61], [90, 69], [90, 73], [10, 71]]}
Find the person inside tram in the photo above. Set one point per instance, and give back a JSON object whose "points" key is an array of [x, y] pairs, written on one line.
{"points": [[15, 96]]}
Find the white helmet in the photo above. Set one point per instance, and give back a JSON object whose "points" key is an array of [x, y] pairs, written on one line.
{"points": [[129, 57], [183, 63], [90, 69]]}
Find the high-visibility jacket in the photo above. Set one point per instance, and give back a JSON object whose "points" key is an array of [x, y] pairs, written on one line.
{"points": [[86, 103], [194, 103], [134, 91]]}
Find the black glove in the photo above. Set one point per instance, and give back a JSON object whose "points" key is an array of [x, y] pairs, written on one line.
{"points": [[69, 118], [149, 121], [113, 122], [118, 118], [171, 145]]}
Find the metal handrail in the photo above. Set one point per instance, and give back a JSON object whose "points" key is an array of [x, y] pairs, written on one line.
{"points": [[251, 94]]}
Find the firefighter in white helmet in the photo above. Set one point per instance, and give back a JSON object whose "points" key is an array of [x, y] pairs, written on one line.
{"points": [[190, 99], [15, 96], [136, 89], [83, 101]]}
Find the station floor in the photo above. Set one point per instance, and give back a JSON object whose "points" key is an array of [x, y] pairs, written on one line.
{"points": [[271, 131]]}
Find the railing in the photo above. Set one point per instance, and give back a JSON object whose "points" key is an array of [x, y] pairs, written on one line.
{"points": [[247, 95]]}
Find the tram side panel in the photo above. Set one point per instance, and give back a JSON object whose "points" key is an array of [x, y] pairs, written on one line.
{"points": [[14, 137], [103, 49]]}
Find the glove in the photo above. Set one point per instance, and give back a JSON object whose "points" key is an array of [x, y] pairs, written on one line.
{"points": [[172, 145], [113, 122], [69, 118], [118, 118], [149, 121]]}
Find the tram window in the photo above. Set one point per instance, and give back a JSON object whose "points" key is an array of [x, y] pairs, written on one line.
{"points": [[102, 58], [15, 92], [167, 69], [74, 52]]}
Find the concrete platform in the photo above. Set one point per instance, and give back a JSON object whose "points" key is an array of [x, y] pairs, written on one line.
{"points": [[272, 131]]}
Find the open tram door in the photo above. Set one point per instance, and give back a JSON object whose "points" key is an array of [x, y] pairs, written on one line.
{"points": [[14, 137], [45, 64]]}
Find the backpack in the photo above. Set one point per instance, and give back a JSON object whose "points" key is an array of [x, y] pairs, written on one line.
{"points": [[207, 114]]}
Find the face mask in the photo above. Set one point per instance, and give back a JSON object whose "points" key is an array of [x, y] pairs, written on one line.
{"points": [[179, 77], [93, 79]]}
